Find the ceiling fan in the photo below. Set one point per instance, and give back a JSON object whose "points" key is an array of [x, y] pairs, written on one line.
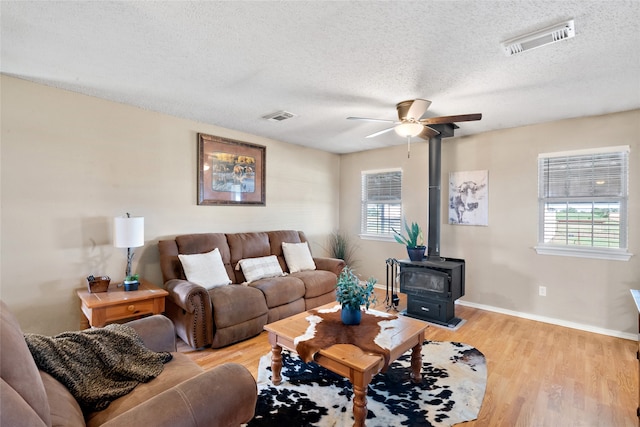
{"points": [[410, 122]]}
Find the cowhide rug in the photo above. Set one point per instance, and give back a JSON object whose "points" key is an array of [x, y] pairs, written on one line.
{"points": [[451, 392]]}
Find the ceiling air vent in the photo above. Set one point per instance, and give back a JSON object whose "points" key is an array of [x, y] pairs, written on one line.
{"points": [[279, 116], [552, 34]]}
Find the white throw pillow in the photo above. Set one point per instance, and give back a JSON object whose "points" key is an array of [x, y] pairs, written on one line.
{"points": [[205, 269], [260, 268], [298, 257]]}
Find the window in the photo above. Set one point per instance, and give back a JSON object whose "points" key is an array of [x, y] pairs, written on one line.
{"points": [[582, 199], [381, 203]]}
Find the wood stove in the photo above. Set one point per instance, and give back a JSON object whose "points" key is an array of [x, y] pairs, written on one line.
{"points": [[432, 288], [433, 284]]}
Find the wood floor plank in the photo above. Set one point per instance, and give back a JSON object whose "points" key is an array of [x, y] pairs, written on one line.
{"points": [[538, 374]]}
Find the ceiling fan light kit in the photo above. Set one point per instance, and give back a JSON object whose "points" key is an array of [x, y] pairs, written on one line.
{"points": [[552, 34], [409, 129]]}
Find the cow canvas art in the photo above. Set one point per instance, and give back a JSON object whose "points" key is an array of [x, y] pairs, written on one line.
{"points": [[469, 198]]}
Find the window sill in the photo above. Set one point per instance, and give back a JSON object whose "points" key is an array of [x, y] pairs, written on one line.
{"points": [[377, 237], [609, 254]]}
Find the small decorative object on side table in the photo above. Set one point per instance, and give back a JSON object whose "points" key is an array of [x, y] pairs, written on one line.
{"points": [[98, 284], [116, 304], [131, 283]]}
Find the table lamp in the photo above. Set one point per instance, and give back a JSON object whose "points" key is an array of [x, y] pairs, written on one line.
{"points": [[128, 232]]}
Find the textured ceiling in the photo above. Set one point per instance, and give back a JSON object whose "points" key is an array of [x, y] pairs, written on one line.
{"points": [[230, 63]]}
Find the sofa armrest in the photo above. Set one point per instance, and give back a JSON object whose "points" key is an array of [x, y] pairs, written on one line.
{"points": [[222, 397], [187, 295], [189, 307], [334, 265], [157, 332]]}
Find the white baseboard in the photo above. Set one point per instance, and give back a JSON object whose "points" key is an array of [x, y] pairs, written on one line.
{"points": [[551, 320]]}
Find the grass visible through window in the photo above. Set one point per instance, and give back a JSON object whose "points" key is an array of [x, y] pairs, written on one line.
{"points": [[599, 228]]}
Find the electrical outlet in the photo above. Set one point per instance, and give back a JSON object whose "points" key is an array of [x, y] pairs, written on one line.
{"points": [[542, 291]]}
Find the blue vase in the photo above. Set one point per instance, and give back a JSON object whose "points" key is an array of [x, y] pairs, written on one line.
{"points": [[350, 315]]}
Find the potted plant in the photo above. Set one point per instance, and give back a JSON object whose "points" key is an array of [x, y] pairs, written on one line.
{"points": [[131, 283], [413, 240], [353, 294], [341, 247]]}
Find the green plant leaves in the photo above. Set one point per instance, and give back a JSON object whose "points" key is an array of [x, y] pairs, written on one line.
{"points": [[350, 292], [414, 235]]}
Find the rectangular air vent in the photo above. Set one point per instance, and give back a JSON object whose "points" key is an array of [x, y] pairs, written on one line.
{"points": [[279, 116], [552, 34]]}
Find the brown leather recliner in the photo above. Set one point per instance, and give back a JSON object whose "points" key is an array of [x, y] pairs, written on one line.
{"points": [[227, 314], [182, 395]]}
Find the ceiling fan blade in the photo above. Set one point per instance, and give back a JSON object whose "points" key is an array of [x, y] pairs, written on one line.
{"points": [[412, 109], [380, 132], [418, 108], [451, 119], [427, 133], [371, 120]]}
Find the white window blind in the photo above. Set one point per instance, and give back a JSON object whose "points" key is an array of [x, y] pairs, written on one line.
{"points": [[583, 200], [381, 202]]}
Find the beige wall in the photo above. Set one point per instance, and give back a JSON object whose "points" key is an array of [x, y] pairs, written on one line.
{"points": [[503, 270], [70, 163]]}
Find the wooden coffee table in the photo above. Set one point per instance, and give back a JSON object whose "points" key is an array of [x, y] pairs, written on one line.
{"points": [[346, 359]]}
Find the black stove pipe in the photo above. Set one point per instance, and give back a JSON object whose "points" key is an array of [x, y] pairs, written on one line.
{"points": [[435, 180]]}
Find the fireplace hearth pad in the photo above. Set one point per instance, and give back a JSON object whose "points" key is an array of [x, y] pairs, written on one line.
{"points": [[453, 325]]}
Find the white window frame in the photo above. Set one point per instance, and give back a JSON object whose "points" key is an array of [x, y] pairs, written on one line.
{"points": [[394, 207], [618, 194]]}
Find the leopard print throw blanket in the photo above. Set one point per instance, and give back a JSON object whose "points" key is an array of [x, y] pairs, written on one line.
{"points": [[97, 365]]}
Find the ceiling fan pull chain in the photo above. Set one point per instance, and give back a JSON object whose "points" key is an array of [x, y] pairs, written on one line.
{"points": [[408, 146]]}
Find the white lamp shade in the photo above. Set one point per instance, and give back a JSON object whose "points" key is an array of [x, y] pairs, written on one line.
{"points": [[409, 129], [128, 232]]}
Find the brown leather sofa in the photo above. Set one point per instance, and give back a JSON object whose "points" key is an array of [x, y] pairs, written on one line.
{"points": [[182, 395], [228, 314]]}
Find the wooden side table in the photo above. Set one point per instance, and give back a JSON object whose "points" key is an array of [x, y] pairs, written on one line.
{"points": [[102, 308]]}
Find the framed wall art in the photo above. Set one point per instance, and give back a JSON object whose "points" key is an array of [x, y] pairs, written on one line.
{"points": [[469, 198], [230, 172]]}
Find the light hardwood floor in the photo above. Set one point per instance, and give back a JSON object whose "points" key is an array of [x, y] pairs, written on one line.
{"points": [[538, 374]]}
